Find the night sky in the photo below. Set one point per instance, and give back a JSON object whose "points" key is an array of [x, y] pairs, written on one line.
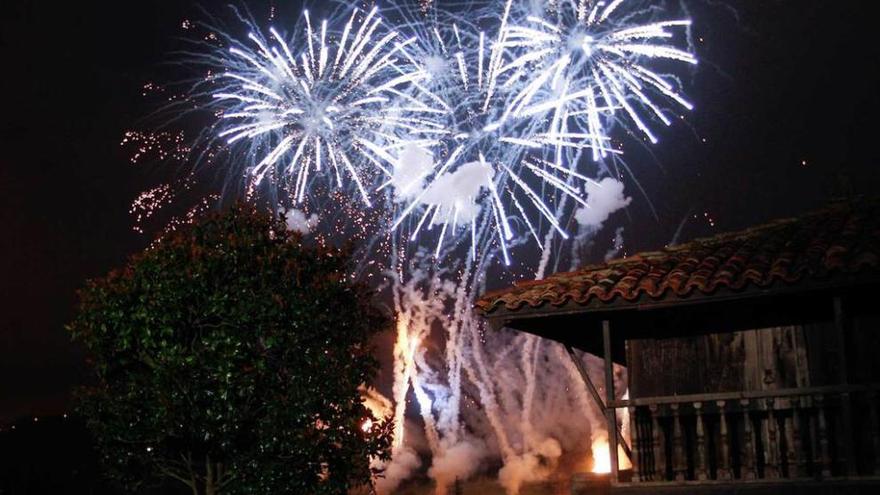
{"points": [[786, 97]]}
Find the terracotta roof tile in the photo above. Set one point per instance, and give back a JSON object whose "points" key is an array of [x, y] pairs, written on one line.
{"points": [[841, 238]]}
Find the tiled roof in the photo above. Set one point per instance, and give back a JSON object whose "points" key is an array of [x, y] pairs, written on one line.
{"points": [[843, 238]]}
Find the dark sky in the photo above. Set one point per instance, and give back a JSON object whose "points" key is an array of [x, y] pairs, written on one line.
{"points": [[780, 82]]}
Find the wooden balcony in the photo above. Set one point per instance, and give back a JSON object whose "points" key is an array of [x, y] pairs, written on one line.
{"points": [[778, 436]]}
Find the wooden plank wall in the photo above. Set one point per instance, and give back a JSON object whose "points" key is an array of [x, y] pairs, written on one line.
{"points": [[761, 359]]}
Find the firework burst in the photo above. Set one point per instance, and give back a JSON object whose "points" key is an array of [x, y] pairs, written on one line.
{"points": [[334, 105], [491, 167], [594, 60]]}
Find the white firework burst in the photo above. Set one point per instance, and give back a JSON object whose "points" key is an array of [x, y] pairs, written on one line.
{"points": [[594, 58], [492, 167], [333, 105]]}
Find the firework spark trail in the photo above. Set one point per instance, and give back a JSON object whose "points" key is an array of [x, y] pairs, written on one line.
{"points": [[415, 315], [463, 353], [483, 380], [527, 358]]}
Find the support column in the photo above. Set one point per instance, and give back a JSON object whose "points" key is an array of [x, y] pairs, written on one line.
{"points": [[725, 470], [637, 442], [658, 444], [679, 457], [772, 464], [701, 468], [845, 399], [610, 412], [582, 371], [748, 467], [875, 430]]}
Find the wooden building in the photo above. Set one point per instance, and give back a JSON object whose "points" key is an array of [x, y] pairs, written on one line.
{"points": [[753, 357]]}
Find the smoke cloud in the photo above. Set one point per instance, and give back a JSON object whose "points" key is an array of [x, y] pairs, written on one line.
{"points": [[457, 190], [603, 199], [458, 462], [403, 462], [533, 466], [410, 171], [297, 221]]}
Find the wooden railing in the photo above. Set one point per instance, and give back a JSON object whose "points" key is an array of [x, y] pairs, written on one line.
{"points": [[791, 434]]}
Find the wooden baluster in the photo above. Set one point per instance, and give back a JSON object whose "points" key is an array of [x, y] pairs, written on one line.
{"points": [[658, 446], [724, 471], [875, 430], [701, 469], [761, 438], [635, 438], [748, 445], [793, 444], [824, 455], [771, 448], [816, 456], [679, 462]]}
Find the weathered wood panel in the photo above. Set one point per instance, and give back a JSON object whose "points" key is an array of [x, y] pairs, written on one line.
{"points": [[763, 359]]}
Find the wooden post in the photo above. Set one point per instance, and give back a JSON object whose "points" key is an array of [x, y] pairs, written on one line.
{"points": [[845, 400], [815, 462], [702, 472], [875, 430], [824, 453], [596, 397], [748, 446], [724, 470], [636, 439], [610, 412], [771, 448], [793, 440], [658, 445], [679, 459]]}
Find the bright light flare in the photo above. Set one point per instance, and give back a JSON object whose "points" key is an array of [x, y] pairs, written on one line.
{"points": [[601, 456]]}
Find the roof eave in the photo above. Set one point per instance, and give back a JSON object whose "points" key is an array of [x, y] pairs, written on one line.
{"points": [[501, 315]]}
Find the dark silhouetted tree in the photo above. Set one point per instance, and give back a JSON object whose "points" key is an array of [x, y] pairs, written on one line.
{"points": [[228, 356]]}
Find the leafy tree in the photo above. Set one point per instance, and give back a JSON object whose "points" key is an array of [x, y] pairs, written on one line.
{"points": [[228, 357]]}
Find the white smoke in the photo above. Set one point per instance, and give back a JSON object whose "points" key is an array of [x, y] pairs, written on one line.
{"points": [[297, 221], [488, 395], [412, 167], [404, 460], [459, 461], [460, 189], [530, 467], [457, 191], [616, 245], [603, 199]]}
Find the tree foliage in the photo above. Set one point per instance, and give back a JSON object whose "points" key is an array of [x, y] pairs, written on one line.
{"points": [[228, 356]]}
